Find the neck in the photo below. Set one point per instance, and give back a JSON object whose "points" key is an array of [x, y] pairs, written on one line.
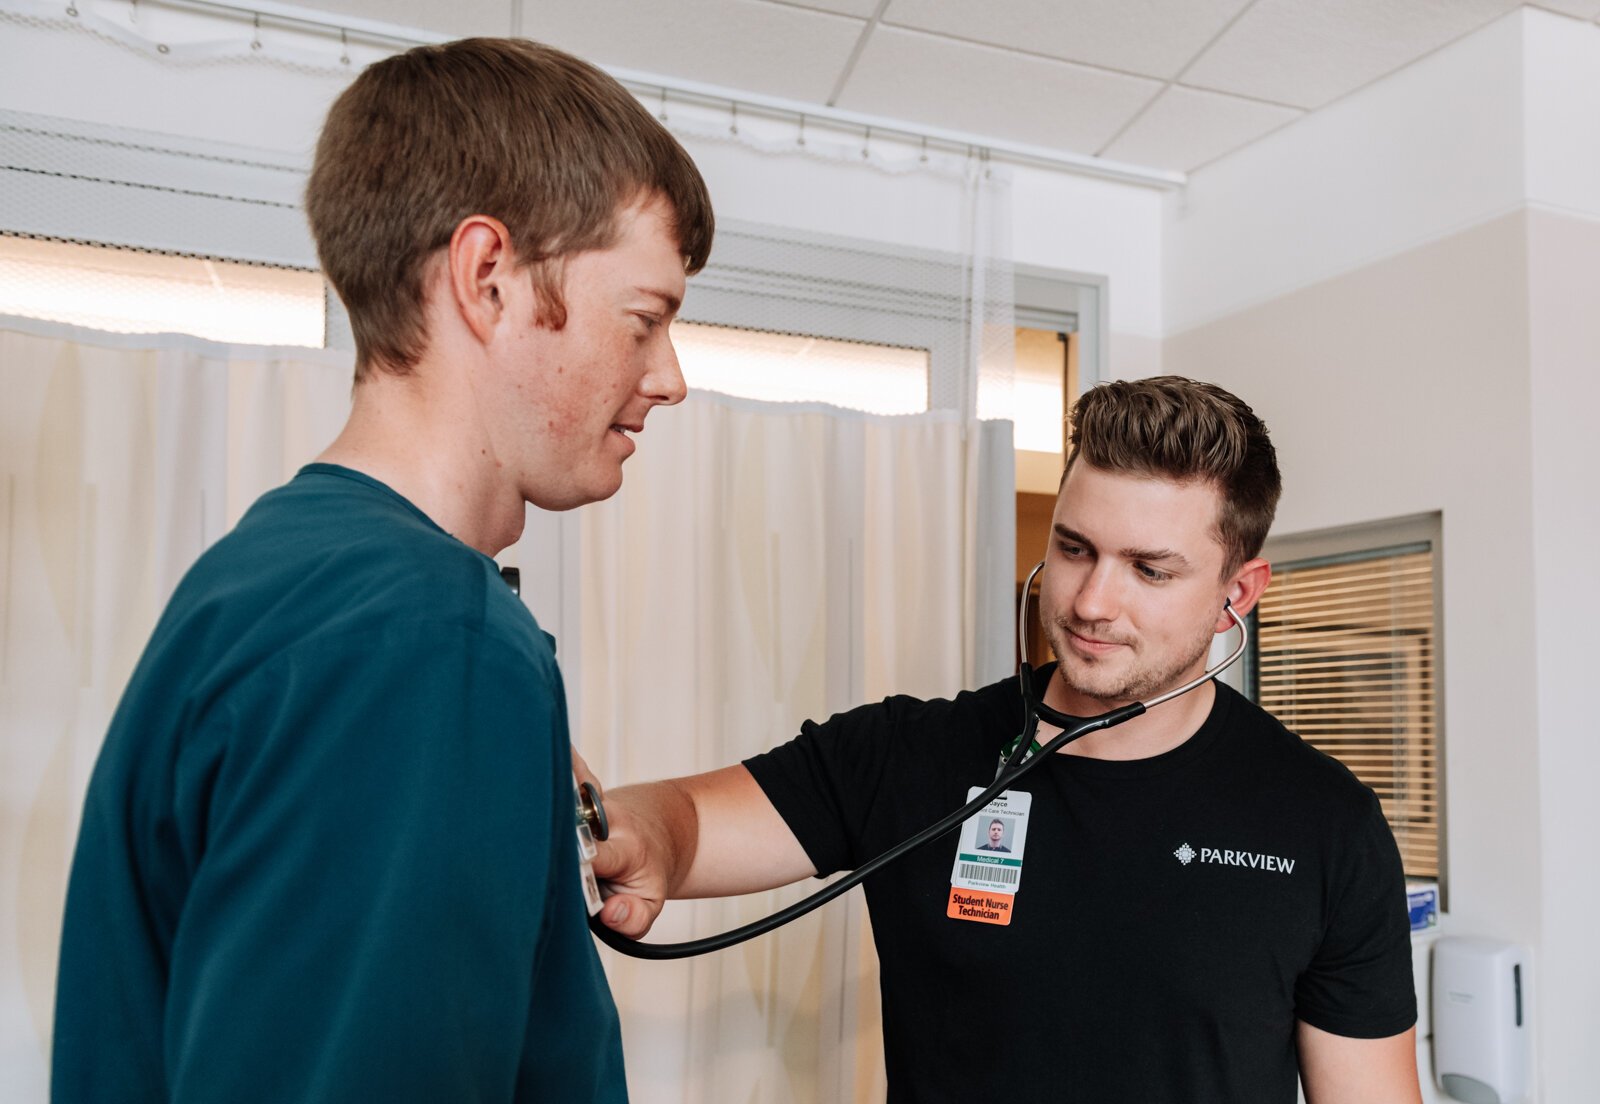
{"points": [[1160, 730], [422, 437]]}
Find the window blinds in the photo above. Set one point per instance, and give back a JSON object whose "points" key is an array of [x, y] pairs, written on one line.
{"points": [[1345, 656]]}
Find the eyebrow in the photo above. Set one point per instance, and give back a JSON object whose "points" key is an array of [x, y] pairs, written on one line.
{"points": [[672, 302], [1145, 555]]}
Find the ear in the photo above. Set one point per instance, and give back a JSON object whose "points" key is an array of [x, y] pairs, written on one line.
{"points": [[1244, 591], [480, 263]]}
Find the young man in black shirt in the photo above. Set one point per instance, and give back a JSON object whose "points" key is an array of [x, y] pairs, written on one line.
{"points": [[1198, 906]]}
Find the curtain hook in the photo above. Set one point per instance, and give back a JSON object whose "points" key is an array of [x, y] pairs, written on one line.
{"points": [[733, 117], [255, 37], [924, 157], [344, 47], [662, 114], [800, 140], [866, 144]]}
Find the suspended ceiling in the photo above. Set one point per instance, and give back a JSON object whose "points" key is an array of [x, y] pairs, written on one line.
{"points": [[1166, 84]]}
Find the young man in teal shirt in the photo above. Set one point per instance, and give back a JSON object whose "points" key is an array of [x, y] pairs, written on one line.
{"points": [[327, 852]]}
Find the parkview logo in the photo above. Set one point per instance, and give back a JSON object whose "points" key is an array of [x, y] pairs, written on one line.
{"points": [[1254, 860]]}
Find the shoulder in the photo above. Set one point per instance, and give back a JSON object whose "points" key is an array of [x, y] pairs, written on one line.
{"points": [[991, 710], [1262, 751], [332, 570], [333, 551], [983, 706]]}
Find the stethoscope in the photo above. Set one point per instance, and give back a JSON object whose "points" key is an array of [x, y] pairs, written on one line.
{"points": [[1024, 756]]}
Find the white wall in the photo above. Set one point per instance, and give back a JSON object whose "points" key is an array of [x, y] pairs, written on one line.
{"points": [[1562, 81], [1431, 150], [1561, 90], [254, 105], [1564, 256], [1110, 229]]}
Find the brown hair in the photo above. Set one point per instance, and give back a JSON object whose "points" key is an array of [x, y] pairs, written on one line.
{"points": [[527, 134], [1184, 430]]}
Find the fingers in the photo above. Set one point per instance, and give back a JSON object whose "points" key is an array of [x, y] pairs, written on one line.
{"points": [[581, 771], [631, 916], [623, 912], [612, 861]]}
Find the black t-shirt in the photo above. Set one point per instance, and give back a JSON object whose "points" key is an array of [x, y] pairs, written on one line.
{"points": [[1175, 915]]}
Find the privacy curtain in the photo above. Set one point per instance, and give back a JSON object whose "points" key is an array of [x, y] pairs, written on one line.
{"points": [[763, 564], [121, 459]]}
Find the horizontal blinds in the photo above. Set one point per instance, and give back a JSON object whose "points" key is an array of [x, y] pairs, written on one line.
{"points": [[1345, 657]]}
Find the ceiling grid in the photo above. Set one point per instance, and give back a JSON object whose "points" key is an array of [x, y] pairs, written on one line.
{"points": [[1148, 86]]}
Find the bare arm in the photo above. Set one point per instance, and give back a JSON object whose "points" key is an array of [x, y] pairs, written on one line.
{"points": [[1338, 1070], [709, 835]]}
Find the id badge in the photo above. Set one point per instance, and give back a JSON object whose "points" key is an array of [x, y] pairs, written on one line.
{"points": [[988, 867], [586, 853]]}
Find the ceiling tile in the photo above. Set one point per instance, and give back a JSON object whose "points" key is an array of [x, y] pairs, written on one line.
{"points": [[1155, 38], [461, 18], [1309, 52], [1186, 128], [757, 47], [1583, 9], [861, 9], [932, 80]]}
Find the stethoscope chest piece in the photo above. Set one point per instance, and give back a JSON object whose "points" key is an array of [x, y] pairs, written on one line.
{"points": [[592, 811]]}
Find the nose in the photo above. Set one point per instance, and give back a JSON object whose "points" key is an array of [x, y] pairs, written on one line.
{"points": [[1097, 598], [663, 383]]}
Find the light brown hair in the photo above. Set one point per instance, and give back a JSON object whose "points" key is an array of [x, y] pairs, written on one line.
{"points": [[1184, 430], [546, 143]]}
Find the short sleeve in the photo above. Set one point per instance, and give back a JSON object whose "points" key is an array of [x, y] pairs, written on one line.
{"points": [[826, 781], [1359, 983]]}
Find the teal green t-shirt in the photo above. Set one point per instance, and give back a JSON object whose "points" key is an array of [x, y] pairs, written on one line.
{"points": [[328, 849]]}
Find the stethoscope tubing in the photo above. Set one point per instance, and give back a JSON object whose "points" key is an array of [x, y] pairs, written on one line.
{"points": [[735, 936], [1013, 769]]}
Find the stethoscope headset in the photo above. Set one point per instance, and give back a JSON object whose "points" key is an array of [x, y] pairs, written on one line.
{"points": [[591, 812]]}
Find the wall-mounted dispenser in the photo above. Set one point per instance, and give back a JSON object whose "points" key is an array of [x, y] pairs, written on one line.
{"points": [[1480, 1019]]}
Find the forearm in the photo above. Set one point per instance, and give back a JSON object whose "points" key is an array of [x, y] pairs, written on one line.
{"points": [[712, 835]]}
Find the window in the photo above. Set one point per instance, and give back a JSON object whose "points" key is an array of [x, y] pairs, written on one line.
{"points": [[1345, 652], [1058, 315], [127, 291], [779, 367]]}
